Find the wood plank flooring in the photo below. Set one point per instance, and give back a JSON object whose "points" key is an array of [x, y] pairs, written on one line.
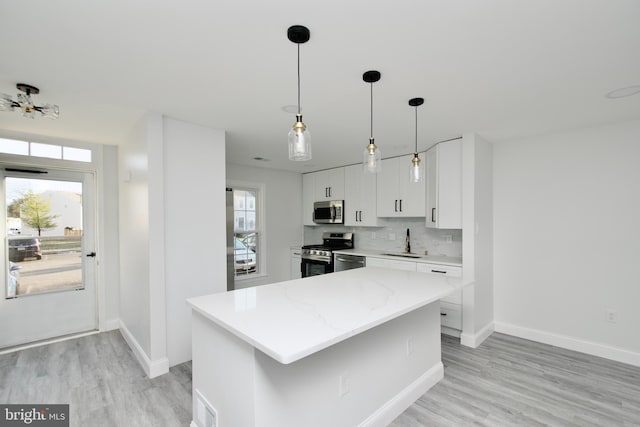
{"points": [[100, 378], [507, 381]]}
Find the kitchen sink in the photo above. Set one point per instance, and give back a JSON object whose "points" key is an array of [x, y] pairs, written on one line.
{"points": [[404, 255]]}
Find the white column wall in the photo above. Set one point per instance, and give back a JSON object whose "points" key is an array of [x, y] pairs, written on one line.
{"points": [[134, 241], [194, 220], [477, 240]]}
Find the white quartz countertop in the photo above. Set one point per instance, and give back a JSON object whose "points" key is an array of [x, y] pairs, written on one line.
{"points": [[293, 319], [431, 259]]}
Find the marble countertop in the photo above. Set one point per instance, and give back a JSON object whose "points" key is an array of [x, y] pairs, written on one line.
{"points": [[293, 319], [432, 259]]}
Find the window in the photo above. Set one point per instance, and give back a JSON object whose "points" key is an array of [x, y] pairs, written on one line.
{"points": [[36, 149], [246, 228]]}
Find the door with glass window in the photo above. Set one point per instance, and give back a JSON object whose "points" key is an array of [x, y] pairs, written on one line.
{"points": [[48, 254]]}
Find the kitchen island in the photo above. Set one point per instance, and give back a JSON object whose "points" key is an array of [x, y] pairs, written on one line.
{"points": [[344, 349]]}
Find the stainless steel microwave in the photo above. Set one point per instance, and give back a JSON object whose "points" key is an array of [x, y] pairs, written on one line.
{"points": [[329, 212]]}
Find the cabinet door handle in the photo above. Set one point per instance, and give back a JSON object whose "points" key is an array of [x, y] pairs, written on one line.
{"points": [[396, 206], [356, 216], [400, 205], [443, 314], [438, 271], [360, 216], [433, 214]]}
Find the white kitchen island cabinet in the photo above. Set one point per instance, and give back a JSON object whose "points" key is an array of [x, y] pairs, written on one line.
{"points": [[353, 348]]}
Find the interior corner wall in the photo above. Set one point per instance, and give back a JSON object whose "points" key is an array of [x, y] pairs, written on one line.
{"points": [[483, 242], [108, 210], [134, 237], [194, 232], [283, 217], [567, 239]]}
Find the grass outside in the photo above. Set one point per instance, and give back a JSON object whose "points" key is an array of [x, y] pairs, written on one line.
{"points": [[49, 245]]}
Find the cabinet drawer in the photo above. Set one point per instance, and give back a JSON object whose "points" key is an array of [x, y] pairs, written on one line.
{"points": [[451, 315], [447, 270]]}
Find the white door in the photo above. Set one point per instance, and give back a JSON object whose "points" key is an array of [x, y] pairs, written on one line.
{"points": [[49, 286]]}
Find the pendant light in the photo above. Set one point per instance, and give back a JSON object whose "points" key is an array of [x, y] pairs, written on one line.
{"points": [[299, 138], [416, 173], [372, 160]]}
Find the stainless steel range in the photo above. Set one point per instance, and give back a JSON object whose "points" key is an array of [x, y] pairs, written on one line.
{"points": [[318, 259]]}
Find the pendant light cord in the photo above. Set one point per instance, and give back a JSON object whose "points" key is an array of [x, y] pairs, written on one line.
{"points": [[298, 78], [371, 130], [416, 130]]}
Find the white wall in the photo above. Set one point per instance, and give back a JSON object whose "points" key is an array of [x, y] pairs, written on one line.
{"points": [[567, 239], [108, 238], [283, 217], [134, 237], [477, 240], [194, 208], [171, 220]]}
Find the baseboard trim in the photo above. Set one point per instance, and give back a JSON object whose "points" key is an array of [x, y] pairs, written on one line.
{"points": [[152, 368], [474, 340], [388, 412], [570, 343], [47, 341], [110, 325]]}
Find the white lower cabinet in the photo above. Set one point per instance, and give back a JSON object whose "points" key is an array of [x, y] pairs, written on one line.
{"points": [[392, 264], [451, 306]]}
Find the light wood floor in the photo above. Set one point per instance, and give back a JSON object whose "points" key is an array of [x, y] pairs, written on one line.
{"points": [[505, 382]]}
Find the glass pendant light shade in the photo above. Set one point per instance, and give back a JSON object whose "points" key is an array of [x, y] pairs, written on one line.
{"points": [[50, 111], [299, 141], [6, 103], [372, 159], [416, 173]]}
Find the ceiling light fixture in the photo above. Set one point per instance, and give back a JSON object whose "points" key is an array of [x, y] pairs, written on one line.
{"points": [[372, 160], [417, 167], [299, 138], [26, 105]]}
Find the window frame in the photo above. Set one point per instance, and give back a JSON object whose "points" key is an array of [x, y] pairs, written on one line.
{"points": [[260, 229]]}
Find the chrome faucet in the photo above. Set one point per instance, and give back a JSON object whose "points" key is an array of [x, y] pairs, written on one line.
{"points": [[407, 243]]}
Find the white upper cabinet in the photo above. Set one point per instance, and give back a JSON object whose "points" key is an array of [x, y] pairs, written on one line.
{"points": [[329, 184], [397, 196], [444, 185], [319, 186], [359, 197]]}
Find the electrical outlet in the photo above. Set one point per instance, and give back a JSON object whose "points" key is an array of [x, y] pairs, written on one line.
{"points": [[611, 316], [409, 345], [448, 238], [344, 384], [392, 236]]}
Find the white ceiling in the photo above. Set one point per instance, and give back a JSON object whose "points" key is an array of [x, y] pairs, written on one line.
{"points": [[502, 68]]}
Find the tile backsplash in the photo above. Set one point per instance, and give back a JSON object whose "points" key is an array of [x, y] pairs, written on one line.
{"points": [[390, 236]]}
